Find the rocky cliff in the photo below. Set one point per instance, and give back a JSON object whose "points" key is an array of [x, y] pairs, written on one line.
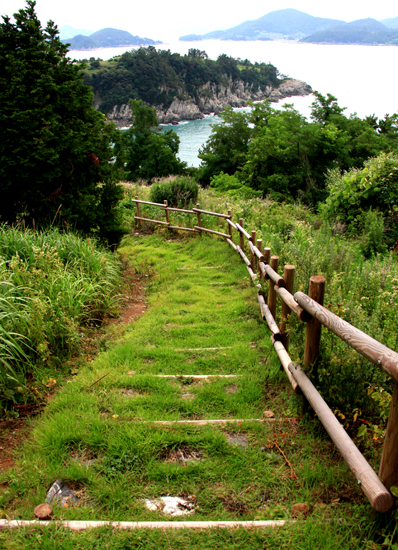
{"points": [[213, 99]]}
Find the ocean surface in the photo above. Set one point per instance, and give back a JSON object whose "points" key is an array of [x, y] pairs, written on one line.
{"points": [[362, 78]]}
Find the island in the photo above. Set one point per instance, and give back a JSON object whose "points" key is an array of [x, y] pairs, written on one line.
{"points": [[183, 87]]}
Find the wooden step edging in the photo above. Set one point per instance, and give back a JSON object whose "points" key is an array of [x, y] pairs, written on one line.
{"points": [[196, 376], [219, 422], [128, 525]]}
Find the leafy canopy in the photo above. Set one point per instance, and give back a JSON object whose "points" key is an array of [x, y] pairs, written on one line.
{"points": [[281, 153], [55, 148], [147, 152]]}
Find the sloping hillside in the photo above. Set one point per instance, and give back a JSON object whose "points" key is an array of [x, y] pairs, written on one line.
{"points": [[287, 23]]}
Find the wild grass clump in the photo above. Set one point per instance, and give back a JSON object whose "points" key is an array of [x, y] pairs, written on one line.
{"points": [[180, 192], [51, 285]]}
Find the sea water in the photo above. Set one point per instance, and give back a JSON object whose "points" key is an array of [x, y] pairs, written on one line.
{"points": [[362, 78]]}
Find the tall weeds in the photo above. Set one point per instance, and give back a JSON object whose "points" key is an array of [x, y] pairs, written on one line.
{"points": [[51, 285]]}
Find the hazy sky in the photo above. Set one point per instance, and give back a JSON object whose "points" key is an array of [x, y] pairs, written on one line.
{"points": [[168, 19]]}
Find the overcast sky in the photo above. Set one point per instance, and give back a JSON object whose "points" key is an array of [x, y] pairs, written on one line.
{"points": [[169, 19]]}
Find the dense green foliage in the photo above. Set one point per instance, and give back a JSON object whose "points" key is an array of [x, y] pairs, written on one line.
{"points": [[281, 153], [179, 192], [158, 76], [51, 286], [359, 190], [55, 148], [146, 151]]}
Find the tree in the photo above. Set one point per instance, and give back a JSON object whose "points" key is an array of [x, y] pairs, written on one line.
{"points": [[226, 149], [147, 152], [55, 148]]}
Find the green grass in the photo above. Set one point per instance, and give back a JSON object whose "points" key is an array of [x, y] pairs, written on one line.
{"points": [[52, 287], [108, 420]]}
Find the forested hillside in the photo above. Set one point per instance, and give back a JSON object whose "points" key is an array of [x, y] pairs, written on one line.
{"points": [[158, 76]]}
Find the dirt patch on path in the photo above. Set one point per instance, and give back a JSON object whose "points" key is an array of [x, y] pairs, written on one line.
{"points": [[133, 302], [12, 434]]}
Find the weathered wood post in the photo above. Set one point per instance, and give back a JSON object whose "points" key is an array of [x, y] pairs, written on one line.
{"points": [[241, 237], [199, 218], [252, 255], [229, 227], [272, 294], [167, 212], [288, 275], [260, 247], [388, 472], [138, 211], [313, 329]]}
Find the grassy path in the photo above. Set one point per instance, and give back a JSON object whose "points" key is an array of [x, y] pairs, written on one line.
{"points": [[99, 432]]}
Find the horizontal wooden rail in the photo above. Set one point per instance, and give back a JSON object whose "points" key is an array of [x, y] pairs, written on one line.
{"points": [[199, 228], [149, 220], [269, 273], [256, 251], [379, 497], [286, 362], [179, 210], [377, 353], [210, 213], [182, 228], [232, 244], [267, 316], [147, 202], [245, 233], [253, 275], [290, 301], [231, 223], [243, 256]]}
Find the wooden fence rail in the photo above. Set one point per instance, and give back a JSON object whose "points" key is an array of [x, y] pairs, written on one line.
{"points": [[263, 268]]}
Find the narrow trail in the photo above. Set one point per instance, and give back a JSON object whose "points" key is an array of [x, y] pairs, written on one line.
{"points": [[191, 404]]}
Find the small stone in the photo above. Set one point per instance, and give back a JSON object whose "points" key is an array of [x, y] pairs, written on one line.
{"points": [[300, 508], [131, 372], [268, 414], [237, 440], [43, 511]]}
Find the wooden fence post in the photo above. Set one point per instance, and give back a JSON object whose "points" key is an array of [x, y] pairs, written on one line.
{"points": [[199, 219], [288, 275], [229, 227], [388, 472], [167, 212], [241, 237], [253, 256], [272, 294], [138, 211], [260, 247], [313, 329]]}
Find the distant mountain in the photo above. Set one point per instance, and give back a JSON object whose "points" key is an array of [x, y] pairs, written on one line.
{"points": [[66, 31], [107, 38], [362, 31], [287, 23], [391, 23]]}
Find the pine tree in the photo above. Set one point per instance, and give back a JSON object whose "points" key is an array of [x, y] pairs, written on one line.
{"points": [[55, 148]]}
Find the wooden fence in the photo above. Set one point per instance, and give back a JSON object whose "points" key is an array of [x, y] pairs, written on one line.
{"points": [[263, 270]]}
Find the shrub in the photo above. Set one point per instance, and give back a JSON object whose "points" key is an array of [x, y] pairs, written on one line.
{"points": [[179, 192], [230, 184], [354, 193]]}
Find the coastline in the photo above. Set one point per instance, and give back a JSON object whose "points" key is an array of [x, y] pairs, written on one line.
{"points": [[235, 96]]}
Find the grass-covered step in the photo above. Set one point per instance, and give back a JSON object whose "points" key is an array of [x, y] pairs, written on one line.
{"points": [[146, 420]]}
